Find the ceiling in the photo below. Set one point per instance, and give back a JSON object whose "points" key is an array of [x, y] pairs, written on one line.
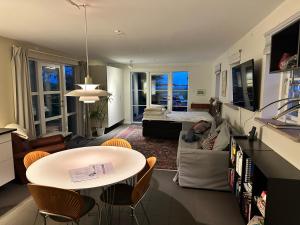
{"points": [[155, 31]]}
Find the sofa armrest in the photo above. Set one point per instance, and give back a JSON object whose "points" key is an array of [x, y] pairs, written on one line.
{"points": [[203, 169], [45, 141]]}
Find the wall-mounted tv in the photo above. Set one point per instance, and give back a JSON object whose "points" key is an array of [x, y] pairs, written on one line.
{"points": [[245, 86]]}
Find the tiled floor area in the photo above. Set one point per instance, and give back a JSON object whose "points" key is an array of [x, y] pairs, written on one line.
{"points": [[166, 204]]}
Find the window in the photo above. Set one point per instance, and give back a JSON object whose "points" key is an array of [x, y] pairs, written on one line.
{"points": [[180, 86], [160, 89], [291, 89], [49, 83]]}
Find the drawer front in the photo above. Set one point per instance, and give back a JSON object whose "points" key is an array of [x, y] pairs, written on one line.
{"points": [[7, 172], [5, 138], [6, 151]]}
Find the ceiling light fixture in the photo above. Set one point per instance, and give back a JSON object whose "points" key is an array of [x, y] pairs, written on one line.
{"points": [[88, 92], [118, 32], [130, 66]]}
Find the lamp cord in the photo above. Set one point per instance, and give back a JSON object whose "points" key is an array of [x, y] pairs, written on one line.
{"points": [[86, 41]]}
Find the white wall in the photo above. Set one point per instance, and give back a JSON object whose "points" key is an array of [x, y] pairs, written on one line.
{"points": [[6, 86], [200, 78], [252, 45], [115, 87]]}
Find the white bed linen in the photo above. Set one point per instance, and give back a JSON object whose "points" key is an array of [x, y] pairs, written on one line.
{"points": [[182, 117]]}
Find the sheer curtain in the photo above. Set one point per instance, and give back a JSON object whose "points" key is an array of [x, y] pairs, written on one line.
{"points": [[22, 90]]}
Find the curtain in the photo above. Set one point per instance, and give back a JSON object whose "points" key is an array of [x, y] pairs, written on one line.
{"points": [[22, 90]]}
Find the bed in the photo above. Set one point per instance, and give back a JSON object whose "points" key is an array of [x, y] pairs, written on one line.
{"points": [[170, 125]]}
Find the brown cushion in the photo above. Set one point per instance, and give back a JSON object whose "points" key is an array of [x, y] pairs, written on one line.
{"points": [[50, 149], [201, 127]]}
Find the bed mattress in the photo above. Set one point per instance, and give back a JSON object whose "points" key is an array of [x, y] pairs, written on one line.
{"points": [[182, 117]]}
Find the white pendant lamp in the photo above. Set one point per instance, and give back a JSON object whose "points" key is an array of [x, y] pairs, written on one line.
{"points": [[88, 92]]}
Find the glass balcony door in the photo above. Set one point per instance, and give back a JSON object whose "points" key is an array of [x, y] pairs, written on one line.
{"points": [[51, 98], [168, 89], [139, 88]]}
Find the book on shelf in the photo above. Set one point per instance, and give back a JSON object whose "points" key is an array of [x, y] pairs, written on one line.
{"points": [[231, 173], [233, 151], [261, 202], [248, 187], [249, 168], [238, 188], [256, 220], [239, 162], [246, 205], [261, 205]]}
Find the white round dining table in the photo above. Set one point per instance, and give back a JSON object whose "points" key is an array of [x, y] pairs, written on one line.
{"points": [[54, 170]]}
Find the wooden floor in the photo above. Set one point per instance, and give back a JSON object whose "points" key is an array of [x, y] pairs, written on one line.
{"points": [[166, 204]]}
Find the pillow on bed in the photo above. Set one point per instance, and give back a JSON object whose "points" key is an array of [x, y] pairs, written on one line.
{"points": [[201, 127]]}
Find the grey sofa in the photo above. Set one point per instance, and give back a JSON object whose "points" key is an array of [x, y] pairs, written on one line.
{"points": [[199, 168]]}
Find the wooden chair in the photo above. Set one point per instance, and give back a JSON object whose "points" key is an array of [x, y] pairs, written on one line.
{"points": [[61, 205], [119, 142], [33, 156], [126, 195]]}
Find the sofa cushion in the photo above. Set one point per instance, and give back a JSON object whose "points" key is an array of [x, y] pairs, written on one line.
{"points": [[208, 143], [190, 145], [223, 138], [190, 136], [201, 127]]}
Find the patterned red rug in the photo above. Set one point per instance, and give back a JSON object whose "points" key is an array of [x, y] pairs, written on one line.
{"points": [[164, 150]]}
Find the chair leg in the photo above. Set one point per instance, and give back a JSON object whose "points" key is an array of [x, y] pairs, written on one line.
{"points": [[144, 210], [135, 218], [119, 216], [36, 216], [45, 220], [131, 212], [99, 215]]}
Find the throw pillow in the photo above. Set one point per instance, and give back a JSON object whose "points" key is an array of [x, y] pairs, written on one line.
{"points": [[201, 127], [223, 139], [208, 143]]}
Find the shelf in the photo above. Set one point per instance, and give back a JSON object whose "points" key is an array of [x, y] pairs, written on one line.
{"points": [[272, 174], [6, 130], [284, 42], [289, 133], [231, 106]]}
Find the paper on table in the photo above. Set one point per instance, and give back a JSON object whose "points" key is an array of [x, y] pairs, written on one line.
{"points": [[90, 172]]}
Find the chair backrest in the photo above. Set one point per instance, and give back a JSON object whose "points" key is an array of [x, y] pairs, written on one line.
{"points": [[144, 179], [56, 201], [119, 142], [33, 156]]}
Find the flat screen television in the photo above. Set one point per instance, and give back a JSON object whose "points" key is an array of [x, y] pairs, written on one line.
{"points": [[245, 86]]}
